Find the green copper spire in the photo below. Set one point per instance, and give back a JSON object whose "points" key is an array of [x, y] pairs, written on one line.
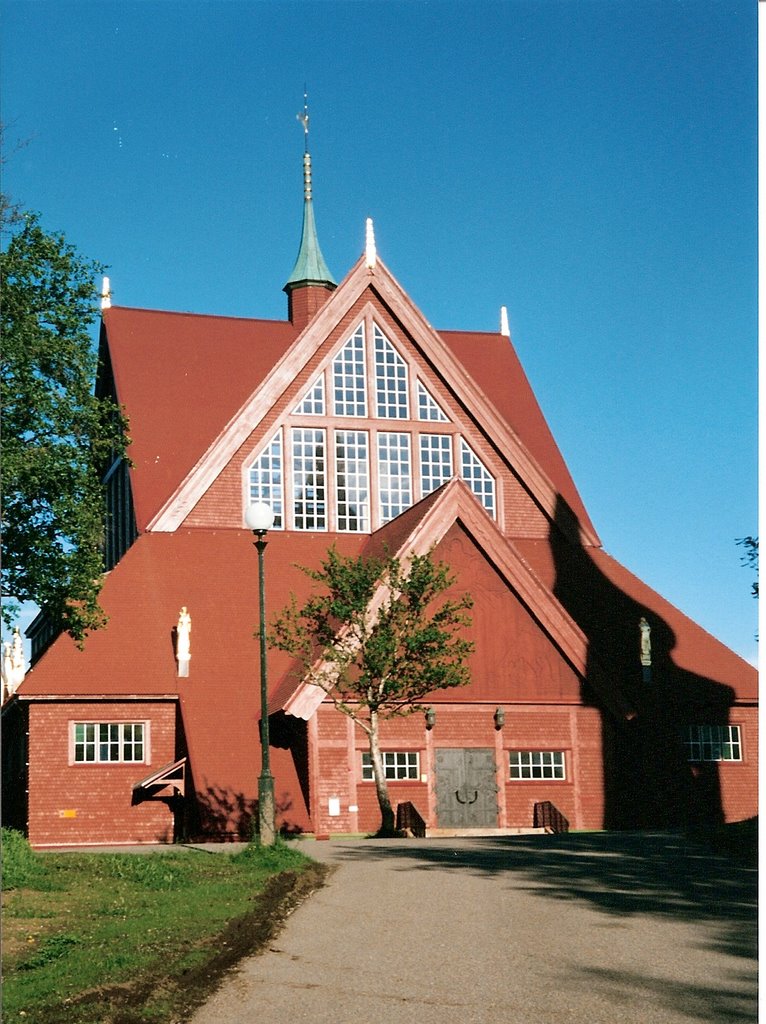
{"points": [[310, 267]]}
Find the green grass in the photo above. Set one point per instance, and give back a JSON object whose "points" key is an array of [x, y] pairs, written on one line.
{"points": [[100, 938]]}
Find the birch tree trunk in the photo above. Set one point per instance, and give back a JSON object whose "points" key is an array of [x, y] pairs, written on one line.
{"points": [[388, 823]]}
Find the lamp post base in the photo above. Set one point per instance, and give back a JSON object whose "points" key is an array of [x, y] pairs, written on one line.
{"points": [[267, 831]]}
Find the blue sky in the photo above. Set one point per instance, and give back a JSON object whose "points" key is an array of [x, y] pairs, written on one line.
{"points": [[591, 165]]}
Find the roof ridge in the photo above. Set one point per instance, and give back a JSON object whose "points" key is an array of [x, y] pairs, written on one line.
{"points": [[209, 316]]}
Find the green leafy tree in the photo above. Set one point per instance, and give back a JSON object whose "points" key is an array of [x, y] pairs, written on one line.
{"points": [[58, 436], [750, 558], [380, 638]]}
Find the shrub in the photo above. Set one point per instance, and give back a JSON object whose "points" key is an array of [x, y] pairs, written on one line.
{"points": [[21, 866]]}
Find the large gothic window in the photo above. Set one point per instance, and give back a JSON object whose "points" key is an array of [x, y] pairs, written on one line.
{"points": [[394, 475], [352, 481], [391, 380], [349, 377], [319, 474], [309, 500], [477, 476], [313, 401], [428, 407], [435, 461], [266, 479]]}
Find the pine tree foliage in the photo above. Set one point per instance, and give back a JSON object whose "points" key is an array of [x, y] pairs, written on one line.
{"points": [[57, 436], [379, 638]]}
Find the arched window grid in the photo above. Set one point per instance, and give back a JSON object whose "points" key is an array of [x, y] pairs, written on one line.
{"points": [[266, 479], [339, 470]]}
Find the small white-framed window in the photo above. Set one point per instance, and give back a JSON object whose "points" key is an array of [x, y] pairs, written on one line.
{"points": [[477, 476], [266, 479], [109, 742], [435, 461], [309, 489], [714, 743], [394, 475], [397, 764], [313, 401], [428, 407], [391, 379], [537, 764], [352, 481], [349, 377]]}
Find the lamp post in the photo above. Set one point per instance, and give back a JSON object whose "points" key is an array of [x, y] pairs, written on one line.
{"points": [[260, 518]]}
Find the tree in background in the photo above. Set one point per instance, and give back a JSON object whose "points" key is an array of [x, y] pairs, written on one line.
{"points": [[380, 639], [57, 435], [750, 558]]}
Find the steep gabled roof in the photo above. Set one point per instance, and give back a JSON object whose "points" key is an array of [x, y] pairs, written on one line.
{"points": [[181, 377], [481, 370], [493, 363]]}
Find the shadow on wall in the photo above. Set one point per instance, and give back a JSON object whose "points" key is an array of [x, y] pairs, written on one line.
{"points": [[222, 815], [648, 779], [218, 814]]}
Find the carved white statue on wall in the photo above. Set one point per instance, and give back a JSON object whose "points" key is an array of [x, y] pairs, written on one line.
{"points": [[646, 642], [13, 665], [183, 641]]}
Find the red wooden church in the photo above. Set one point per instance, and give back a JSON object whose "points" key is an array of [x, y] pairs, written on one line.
{"points": [[361, 426]]}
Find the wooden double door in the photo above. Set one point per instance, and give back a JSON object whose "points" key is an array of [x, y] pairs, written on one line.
{"points": [[466, 788]]}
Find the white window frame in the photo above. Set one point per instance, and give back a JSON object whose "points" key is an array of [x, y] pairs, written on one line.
{"points": [[396, 493], [268, 464], [478, 477], [435, 470], [398, 766], [392, 379], [313, 402], [429, 410], [713, 743], [349, 377], [99, 742], [314, 506], [356, 468], [537, 765]]}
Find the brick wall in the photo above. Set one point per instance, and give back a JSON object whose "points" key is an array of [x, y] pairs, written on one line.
{"points": [[72, 804], [575, 730], [739, 779]]}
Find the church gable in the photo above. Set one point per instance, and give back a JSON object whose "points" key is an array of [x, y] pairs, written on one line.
{"points": [[515, 659], [367, 427]]}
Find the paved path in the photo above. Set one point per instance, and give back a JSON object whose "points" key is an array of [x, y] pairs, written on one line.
{"points": [[551, 930]]}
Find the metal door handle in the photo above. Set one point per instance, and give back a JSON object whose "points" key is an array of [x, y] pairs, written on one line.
{"points": [[475, 797]]}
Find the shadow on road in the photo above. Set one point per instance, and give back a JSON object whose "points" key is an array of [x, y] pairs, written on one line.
{"points": [[662, 875], [710, 1004]]}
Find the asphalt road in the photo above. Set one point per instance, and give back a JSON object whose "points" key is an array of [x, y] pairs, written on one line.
{"points": [[598, 928]]}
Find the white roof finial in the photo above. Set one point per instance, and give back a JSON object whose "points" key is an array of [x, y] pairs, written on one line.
{"points": [[370, 252], [505, 330], [106, 294]]}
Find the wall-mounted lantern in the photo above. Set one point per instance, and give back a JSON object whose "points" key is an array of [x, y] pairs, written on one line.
{"points": [[430, 718], [499, 717]]}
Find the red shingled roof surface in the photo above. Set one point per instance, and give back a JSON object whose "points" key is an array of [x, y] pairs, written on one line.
{"points": [[492, 362], [181, 378], [606, 585]]}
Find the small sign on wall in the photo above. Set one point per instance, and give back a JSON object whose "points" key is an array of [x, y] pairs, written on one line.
{"points": [[333, 806], [71, 813]]}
